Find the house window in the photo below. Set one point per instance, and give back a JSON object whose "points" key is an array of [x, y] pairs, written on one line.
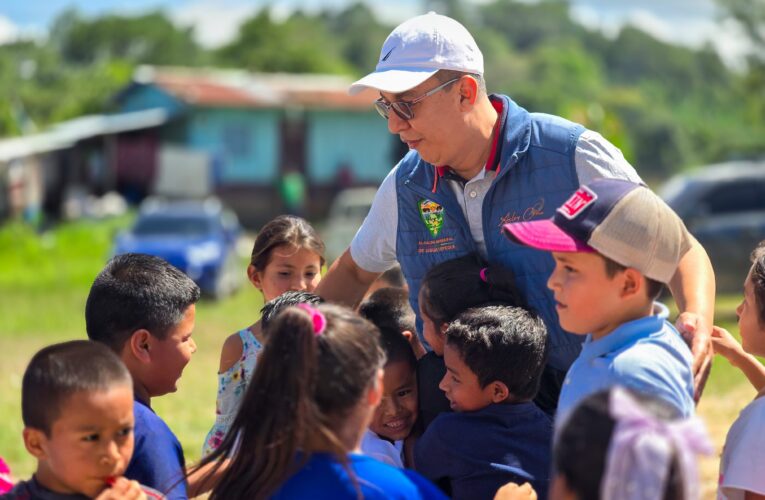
{"points": [[236, 139]]}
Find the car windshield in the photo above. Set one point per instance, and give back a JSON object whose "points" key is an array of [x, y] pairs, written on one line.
{"points": [[172, 226]]}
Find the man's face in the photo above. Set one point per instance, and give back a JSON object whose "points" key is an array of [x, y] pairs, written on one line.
{"points": [[90, 443], [460, 384], [170, 356], [436, 124], [395, 416], [586, 298]]}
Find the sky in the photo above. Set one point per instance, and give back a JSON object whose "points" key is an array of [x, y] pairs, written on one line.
{"points": [[688, 22]]}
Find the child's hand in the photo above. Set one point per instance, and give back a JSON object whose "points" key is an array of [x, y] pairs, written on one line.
{"points": [[123, 489], [726, 345], [512, 491]]}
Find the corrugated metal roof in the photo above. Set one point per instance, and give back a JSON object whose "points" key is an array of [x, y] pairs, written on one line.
{"points": [[237, 88], [65, 134]]}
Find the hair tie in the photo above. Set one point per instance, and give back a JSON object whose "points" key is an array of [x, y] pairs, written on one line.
{"points": [[317, 318], [482, 274], [641, 450]]}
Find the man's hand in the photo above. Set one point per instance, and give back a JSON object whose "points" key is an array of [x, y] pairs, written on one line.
{"points": [[512, 491], [697, 334], [123, 489]]}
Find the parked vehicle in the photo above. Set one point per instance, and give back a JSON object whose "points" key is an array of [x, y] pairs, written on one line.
{"points": [[724, 207], [196, 236], [349, 209]]}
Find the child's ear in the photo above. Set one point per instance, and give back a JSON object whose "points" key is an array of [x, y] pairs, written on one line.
{"points": [[34, 441], [444, 327], [254, 276], [139, 345], [632, 282], [499, 392], [374, 396]]}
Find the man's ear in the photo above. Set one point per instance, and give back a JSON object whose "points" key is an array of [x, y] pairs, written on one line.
{"points": [[139, 345], [499, 391], [468, 91], [407, 335], [35, 441], [254, 276], [632, 282]]}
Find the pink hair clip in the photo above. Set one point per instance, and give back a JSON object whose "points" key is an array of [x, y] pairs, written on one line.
{"points": [[482, 274], [317, 318]]}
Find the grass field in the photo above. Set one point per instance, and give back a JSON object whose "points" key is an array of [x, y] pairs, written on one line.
{"points": [[44, 281]]}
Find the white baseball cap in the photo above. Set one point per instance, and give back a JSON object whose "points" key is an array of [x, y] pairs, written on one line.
{"points": [[417, 49]]}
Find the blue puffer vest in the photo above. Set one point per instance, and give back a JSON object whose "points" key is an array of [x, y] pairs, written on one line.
{"points": [[537, 175]]}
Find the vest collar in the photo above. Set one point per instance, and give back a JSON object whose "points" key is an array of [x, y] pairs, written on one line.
{"points": [[514, 126]]}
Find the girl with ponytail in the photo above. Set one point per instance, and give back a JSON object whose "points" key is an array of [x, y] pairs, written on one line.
{"points": [[313, 393]]}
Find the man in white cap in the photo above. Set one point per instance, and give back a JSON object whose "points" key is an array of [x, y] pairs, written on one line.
{"points": [[477, 162]]}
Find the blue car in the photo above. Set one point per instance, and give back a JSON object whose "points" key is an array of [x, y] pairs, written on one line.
{"points": [[196, 236]]}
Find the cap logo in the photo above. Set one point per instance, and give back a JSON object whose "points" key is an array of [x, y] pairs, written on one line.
{"points": [[580, 200], [386, 56]]}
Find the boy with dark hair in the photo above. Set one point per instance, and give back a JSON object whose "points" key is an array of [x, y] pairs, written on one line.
{"points": [[77, 406], [389, 437], [389, 307], [290, 298], [614, 244], [494, 359], [144, 309]]}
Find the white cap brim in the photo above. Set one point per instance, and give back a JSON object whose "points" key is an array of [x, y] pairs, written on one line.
{"points": [[394, 81]]}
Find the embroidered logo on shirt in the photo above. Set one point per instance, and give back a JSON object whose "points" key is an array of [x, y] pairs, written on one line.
{"points": [[432, 214], [534, 211], [578, 202]]}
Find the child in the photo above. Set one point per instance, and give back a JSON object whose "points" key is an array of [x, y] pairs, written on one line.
{"points": [[392, 278], [390, 307], [144, 310], [616, 447], [448, 289], [77, 406], [742, 460], [272, 308], [494, 359], [288, 255], [614, 244], [388, 437], [313, 392]]}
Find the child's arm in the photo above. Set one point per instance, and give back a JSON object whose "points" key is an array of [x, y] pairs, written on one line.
{"points": [[728, 347]]}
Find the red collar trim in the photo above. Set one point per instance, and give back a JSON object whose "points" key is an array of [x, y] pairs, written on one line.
{"points": [[493, 162]]}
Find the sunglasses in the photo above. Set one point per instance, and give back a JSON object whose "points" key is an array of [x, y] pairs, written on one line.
{"points": [[404, 108]]}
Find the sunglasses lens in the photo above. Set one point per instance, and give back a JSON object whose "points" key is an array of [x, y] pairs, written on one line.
{"points": [[382, 109], [403, 110]]}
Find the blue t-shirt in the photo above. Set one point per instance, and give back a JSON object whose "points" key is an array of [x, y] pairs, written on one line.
{"points": [[472, 454], [323, 477], [158, 457], [646, 355]]}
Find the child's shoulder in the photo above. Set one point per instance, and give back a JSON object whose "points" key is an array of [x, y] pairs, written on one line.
{"points": [[234, 347], [150, 426]]}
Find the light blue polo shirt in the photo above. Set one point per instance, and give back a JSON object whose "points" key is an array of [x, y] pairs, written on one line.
{"points": [[646, 355]]}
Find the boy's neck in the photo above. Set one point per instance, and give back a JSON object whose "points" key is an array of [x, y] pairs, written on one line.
{"points": [[631, 312], [141, 393]]}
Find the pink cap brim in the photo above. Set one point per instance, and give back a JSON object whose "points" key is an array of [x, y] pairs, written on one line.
{"points": [[544, 235]]}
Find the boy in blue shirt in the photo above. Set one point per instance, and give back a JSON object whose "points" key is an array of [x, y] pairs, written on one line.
{"points": [[615, 244], [144, 310], [494, 359]]}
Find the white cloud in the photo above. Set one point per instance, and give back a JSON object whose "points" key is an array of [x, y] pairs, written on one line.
{"points": [[9, 32], [215, 22]]}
